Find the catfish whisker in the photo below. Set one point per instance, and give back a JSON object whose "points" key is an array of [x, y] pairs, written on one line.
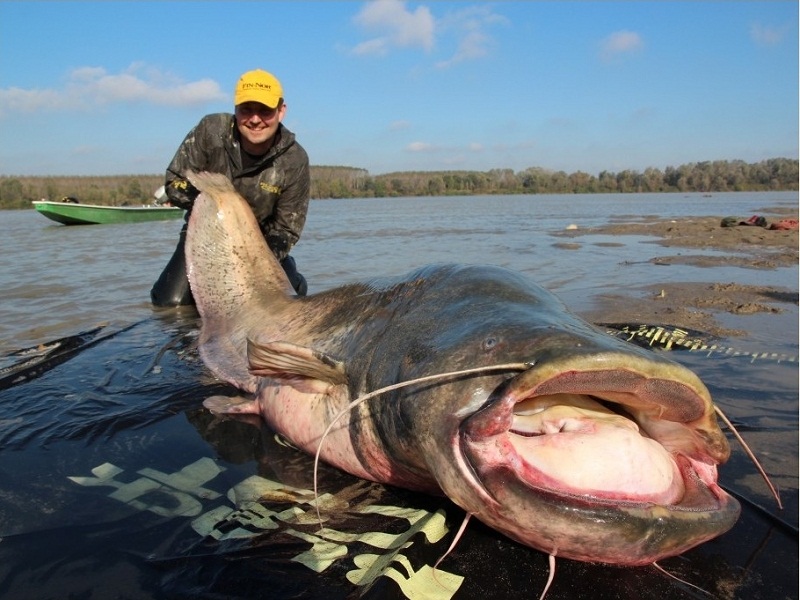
{"points": [[551, 561], [453, 544], [750, 454], [679, 580], [388, 388]]}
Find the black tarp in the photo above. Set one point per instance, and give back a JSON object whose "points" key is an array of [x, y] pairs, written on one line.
{"points": [[116, 483]]}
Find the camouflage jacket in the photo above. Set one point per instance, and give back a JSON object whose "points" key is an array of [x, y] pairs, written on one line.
{"points": [[276, 187]]}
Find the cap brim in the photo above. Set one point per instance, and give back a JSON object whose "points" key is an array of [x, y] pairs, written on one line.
{"points": [[268, 101]]}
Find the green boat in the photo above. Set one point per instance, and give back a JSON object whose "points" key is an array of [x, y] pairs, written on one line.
{"points": [[70, 212]]}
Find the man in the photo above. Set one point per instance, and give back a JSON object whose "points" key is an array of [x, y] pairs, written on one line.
{"points": [[264, 162]]}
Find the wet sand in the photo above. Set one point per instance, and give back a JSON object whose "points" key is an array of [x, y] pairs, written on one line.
{"points": [[694, 305]]}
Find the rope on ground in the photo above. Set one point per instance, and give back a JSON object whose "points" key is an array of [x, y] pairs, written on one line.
{"points": [[673, 338]]}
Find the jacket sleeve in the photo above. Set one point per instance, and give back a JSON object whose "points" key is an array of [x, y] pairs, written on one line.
{"points": [[289, 216], [190, 155]]}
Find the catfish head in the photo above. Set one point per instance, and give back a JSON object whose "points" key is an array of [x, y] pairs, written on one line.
{"points": [[598, 451]]}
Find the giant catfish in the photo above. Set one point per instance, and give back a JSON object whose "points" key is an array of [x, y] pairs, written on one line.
{"points": [[596, 450]]}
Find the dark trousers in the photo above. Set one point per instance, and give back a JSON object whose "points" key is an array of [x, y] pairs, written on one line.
{"points": [[172, 286]]}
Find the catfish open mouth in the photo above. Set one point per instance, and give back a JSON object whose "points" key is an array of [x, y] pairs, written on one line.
{"points": [[639, 434], [606, 457]]}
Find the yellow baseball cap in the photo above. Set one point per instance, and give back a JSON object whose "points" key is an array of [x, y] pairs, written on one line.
{"points": [[258, 86]]}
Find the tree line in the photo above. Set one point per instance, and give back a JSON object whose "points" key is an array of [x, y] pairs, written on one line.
{"points": [[708, 176], [351, 182]]}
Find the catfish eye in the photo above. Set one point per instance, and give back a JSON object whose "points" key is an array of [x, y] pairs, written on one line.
{"points": [[489, 343]]}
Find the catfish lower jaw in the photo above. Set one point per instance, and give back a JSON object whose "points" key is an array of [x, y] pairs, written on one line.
{"points": [[612, 528], [586, 529]]}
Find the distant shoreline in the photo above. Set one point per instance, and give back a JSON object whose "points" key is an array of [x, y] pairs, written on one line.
{"points": [[335, 182]]}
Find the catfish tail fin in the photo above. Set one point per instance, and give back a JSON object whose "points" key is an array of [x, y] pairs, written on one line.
{"points": [[233, 274]]}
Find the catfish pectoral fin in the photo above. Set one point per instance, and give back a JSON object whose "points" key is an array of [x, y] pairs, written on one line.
{"points": [[281, 360], [235, 405]]}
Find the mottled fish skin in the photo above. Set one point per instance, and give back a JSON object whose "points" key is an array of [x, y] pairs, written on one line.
{"points": [[598, 450]]}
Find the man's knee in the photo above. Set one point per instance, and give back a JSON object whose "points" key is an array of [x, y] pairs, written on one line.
{"points": [[172, 286], [171, 295]]}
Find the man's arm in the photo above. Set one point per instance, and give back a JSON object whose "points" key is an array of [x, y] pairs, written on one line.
{"points": [[289, 216], [191, 155]]}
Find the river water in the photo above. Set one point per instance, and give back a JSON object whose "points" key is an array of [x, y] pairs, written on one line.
{"points": [[56, 280], [132, 401]]}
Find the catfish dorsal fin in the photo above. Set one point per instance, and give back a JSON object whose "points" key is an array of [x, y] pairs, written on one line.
{"points": [[284, 360]]}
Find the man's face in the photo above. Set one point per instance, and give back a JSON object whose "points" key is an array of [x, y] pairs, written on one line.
{"points": [[257, 124]]}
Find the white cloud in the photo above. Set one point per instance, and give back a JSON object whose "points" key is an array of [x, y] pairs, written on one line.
{"points": [[620, 43], [18, 100], [420, 147], [470, 26], [767, 36], [377, 47], [89, 87], [84, 150], [87, 73], [430, 148], [397, 25], [472, 46]]}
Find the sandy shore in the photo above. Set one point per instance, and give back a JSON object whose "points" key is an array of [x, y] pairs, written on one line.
{"points": [[693, 305]]}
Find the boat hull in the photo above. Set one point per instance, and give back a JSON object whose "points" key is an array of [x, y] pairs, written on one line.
{"points": [[70, 213]]}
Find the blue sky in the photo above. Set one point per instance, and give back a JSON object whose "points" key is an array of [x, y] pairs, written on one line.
{"points": [[98, 88]]}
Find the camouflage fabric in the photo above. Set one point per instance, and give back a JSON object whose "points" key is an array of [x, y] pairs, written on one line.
{"points": [[276, 186]]}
